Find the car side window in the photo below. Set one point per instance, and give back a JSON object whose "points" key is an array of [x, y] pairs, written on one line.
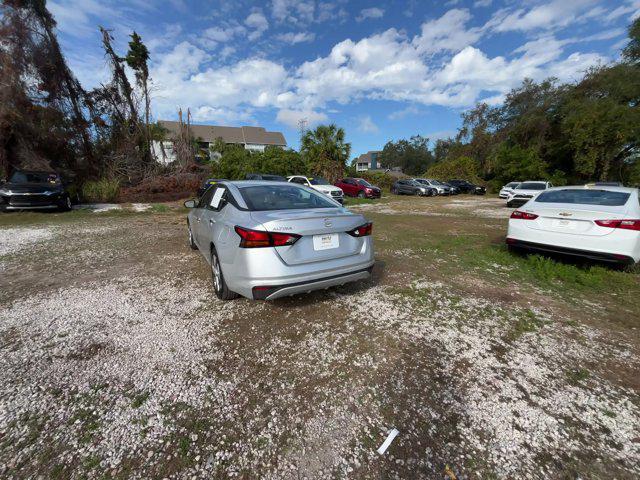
{"points": [[218, 199], [299, 180], [205, 199]]}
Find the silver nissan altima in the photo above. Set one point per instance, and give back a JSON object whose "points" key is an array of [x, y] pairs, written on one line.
{"points": [[266, 240]]}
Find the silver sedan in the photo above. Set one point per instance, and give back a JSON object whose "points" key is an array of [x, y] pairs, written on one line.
{"points": [[266, 240]]}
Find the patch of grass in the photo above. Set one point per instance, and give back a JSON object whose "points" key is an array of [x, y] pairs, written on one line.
{"points": [[183, 446], [609, 413], [578, 375], [139, 400], [159, 208], [358, 201], [527, 323]]}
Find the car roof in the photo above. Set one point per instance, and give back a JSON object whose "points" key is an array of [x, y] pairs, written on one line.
{"points": [[253, 183], [595, 187]]}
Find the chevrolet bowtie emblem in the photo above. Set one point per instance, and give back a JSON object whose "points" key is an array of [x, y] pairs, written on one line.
{"points": [[327, 223]]}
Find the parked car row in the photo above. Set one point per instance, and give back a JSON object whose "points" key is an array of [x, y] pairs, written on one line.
{"points": [[429, 187]]}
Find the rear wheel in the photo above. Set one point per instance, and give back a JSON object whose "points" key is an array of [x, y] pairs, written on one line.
{"points": [[394, 191], [219, 285]]}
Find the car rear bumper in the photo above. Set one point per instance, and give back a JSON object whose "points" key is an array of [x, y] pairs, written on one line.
{"points": [[617, 258], [273, 292], [264, 268]]}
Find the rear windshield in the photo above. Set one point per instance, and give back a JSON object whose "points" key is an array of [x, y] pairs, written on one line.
{"points": [[34, 177], [585, 197], [531, 186], [283, 197]]}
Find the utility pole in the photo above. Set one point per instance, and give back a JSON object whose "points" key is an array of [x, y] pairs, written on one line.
{"points": [[302, 126]]}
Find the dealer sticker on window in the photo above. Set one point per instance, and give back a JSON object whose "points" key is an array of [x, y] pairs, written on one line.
{"points": [[325, 242]]}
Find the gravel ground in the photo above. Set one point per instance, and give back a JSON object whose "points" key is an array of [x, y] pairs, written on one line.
{"points": [[116, 361]]}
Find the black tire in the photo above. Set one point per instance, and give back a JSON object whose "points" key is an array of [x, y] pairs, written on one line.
{"points": [[192, 243], [217, 279], [394, 191], [65, 204], [361, 194]]}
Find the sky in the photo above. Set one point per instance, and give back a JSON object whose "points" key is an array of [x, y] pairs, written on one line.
{"points": [[382, 70]]}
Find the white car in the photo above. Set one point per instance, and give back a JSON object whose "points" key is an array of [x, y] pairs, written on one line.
{"points": [[600, 223], [526, 191], [508, 189], [319, 184]]}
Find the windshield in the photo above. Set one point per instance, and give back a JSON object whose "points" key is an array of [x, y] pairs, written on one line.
{"points": [[318, 181], [283, 197], [422, 181], [512, 185], [363, 182], [531, 186], [34, 177], [585, 197], [436, 182]]}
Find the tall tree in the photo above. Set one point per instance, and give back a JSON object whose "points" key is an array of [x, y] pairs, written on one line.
{"points": [[326, 151], [137, 58], [412, 156]]}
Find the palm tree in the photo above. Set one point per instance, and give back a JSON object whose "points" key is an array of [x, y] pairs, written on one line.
{"points": [[325, 150]]}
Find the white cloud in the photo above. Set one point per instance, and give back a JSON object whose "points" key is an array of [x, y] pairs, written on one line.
{"points": [[630, 8], [447, 33], [367, 125], [482, 3], [293, 11], [547, 16], [373, 12], [405, 112], [258, 23], [74, 17], [291, 118], [299, 37]]}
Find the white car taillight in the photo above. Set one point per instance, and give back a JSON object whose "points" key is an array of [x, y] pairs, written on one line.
{"points": [[623, 224]]}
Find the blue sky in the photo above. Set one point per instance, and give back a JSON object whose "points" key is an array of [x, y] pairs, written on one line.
{"points": [[382, 70]]}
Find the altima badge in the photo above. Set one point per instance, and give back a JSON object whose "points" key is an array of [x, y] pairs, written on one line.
{"points": [[328, 223]]}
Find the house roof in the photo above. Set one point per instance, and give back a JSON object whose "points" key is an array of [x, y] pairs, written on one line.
{"points": [[242, 135], [366, 157]]}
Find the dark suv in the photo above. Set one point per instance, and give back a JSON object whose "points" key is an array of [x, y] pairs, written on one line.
{"points": [[465, 187], [34, 190]]}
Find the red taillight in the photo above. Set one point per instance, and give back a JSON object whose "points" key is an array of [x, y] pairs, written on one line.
{"points": [[624, 224], [362, 230], [257, 238], [520, 215]]}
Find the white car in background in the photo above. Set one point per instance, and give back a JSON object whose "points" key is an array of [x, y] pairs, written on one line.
{"points": [[526, 191], [508, 189], [319, 184], [599, 223]]}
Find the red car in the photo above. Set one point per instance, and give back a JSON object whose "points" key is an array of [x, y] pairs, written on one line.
{"points": [[358, 187]]}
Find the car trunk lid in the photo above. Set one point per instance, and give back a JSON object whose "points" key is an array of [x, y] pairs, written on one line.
{"points": [[328, 225], [574, 219]]}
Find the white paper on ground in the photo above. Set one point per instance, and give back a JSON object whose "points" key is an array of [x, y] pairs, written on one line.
{"points": [[392, 434]]}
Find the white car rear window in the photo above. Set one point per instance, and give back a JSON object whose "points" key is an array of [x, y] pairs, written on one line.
{"points": [[585, 197]]}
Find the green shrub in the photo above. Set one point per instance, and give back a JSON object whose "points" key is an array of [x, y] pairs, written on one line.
{"points": [[462, 167], [102, 190]]}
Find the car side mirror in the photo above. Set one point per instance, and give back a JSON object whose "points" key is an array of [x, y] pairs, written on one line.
{"points": [[190, 204]]}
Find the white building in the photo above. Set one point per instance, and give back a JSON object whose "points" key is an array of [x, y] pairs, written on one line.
{"points": [[251, 138]]}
